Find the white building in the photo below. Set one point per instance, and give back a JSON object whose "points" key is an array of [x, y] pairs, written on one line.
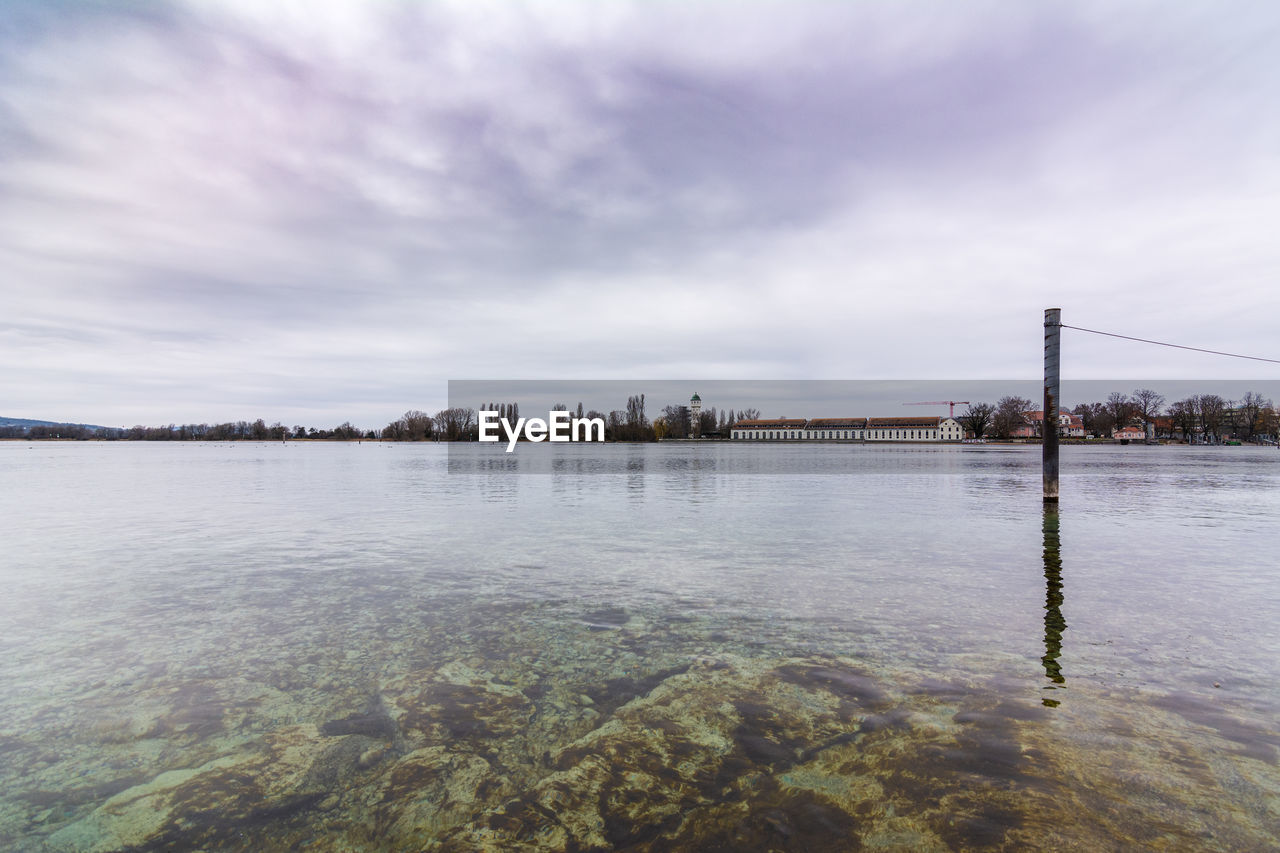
{"points": [[836, 429], [775, 429], [914, 429], [849, 429]]}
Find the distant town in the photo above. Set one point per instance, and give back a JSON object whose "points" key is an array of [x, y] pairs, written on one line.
{"points": [[1142, 415]]}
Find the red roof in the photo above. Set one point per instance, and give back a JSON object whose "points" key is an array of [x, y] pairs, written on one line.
{"points": [[902, 423], [767, 423]]}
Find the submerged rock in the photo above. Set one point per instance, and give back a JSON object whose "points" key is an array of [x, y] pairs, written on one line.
{"points": [[209, 805], [705, 760], [719, 754]]}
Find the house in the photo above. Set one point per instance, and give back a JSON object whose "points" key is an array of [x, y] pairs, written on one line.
{"points": [[1026, 428], [1069, 425], [1129, 433]]}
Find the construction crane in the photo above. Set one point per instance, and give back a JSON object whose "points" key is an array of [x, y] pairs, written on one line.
{"points": [[951, 403]]}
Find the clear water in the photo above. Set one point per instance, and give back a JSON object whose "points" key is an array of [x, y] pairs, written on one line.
{"points": [[677, 646]]}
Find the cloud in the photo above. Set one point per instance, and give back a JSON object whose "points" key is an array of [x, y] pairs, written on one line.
{"points": [[223, 210]]}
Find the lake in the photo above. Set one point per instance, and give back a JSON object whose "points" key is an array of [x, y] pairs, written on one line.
{"points": [[704, 646]]}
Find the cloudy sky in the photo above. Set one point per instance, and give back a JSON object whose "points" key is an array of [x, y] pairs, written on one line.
{"points": [[314, 212]]}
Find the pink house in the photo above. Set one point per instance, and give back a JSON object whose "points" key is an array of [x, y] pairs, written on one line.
{"points": [[1068, 425]]}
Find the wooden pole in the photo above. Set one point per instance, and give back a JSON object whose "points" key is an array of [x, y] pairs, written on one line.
{"points": [[1049, 427]]}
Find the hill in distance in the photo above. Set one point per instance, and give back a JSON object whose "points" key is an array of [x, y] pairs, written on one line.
{"points": [[27, 423]]}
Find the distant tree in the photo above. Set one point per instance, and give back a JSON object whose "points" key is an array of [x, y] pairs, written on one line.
{"points": [[1092, 417], [1210, 408], [707, 421], [346, 432], [1184, 415], [1269, 421], [1248, 412], [418, 425], [977, 417], [678, 423], [1147, 403], [748, 415], [1009, 414], [637, 424], [455, 424], [1120, 408]]}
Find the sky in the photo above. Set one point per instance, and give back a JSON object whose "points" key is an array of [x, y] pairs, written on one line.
{"points": [[315, 212]]}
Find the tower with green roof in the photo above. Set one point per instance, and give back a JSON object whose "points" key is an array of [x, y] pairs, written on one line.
{"points": [[695, 415]]}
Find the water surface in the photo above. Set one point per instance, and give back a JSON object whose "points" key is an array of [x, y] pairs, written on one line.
{"points": [[701, 646]]}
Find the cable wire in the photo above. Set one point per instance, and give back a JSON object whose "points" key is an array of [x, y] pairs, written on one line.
{"points": [[1175, 346]]}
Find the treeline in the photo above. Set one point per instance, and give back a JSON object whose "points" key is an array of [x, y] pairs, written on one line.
{"points": [[454, 424], [230, 431], [1200, 417], [630, 423], [79, 432], [677, 422]]}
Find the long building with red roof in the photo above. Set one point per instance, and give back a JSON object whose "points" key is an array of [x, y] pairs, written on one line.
{"points": [[849, 429]]}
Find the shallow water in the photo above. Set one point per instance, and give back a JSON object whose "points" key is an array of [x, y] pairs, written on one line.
{"points": [[374, 646]]}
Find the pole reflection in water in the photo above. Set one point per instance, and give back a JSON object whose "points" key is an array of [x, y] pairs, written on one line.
{"points": [[1054, 623]]}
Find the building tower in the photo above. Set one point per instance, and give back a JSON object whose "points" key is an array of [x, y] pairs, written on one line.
{"points": [[695, 416]]}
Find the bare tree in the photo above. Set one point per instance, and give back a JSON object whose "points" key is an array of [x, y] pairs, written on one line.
{"points": [[1094, 418], [1185, 418], [1120, 408], [1269, 421], [1248, 414], [418, 425], [1147, 403], [1210, 408], [977, 417], [1009, 413], [678, 421], [454, 424], [346, 432]]}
